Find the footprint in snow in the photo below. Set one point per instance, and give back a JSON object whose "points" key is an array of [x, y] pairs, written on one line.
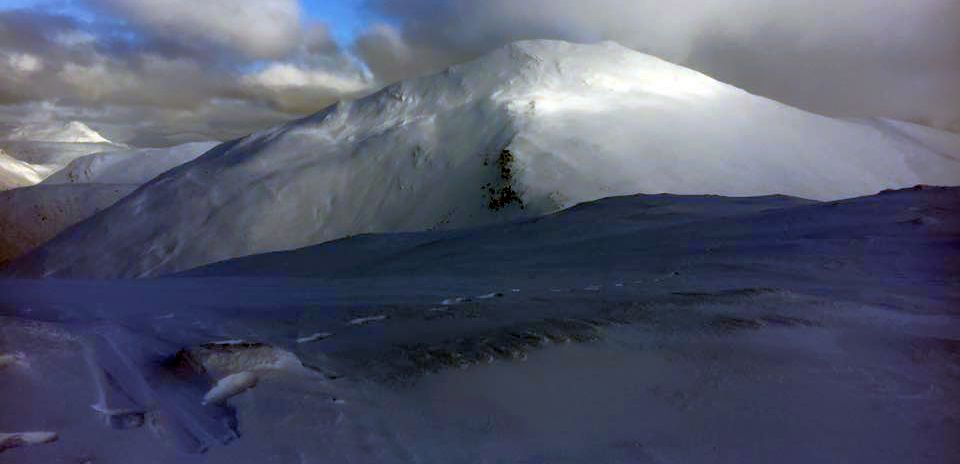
{"points": [[367, 320], [487, 296], [231, 342], [120, 418], [314, 337]]}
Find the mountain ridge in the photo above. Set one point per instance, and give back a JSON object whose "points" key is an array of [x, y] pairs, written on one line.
{"points": [[531, 128]]}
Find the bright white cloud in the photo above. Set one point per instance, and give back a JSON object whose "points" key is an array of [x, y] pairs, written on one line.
{"points": [[286, 75], [25, 63], [300, 88]]}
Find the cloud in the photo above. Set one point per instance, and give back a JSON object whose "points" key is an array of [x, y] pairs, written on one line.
{"points": [[257, 28], [845, 57], [109, 74], [314, 77], [164, 71], [391, 57], [297, 88], [24, 64]]}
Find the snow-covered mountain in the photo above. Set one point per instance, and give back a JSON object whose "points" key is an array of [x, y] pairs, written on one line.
{"points": [[132, 166], [68, 132], [15, 173], [34, 214], [44, 148], [529, 129]]}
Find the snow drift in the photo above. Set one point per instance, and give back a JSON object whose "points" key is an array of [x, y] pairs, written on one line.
{"points": [[530, 128]]}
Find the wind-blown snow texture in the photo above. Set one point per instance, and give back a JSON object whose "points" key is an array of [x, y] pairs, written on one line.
{"points": [[133, 166], [639, 329], [580, 122]]}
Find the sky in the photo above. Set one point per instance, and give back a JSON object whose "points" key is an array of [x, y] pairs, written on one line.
{"points": [[161, 72]]}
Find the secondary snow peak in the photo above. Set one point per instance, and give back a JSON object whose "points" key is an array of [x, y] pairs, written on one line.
{"points": [[69, 132]]}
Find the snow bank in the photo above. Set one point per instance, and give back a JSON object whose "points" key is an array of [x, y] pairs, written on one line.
{"points": [[229, 386], [529, 129], [14, 440]]}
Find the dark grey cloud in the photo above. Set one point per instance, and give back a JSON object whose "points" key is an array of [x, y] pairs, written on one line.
{"points": [[156, 78], [154, 72], [891, 58], [256, 28]]}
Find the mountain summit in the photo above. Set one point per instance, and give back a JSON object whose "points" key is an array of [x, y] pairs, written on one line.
{"points": [[528, 129], [70, 132]]}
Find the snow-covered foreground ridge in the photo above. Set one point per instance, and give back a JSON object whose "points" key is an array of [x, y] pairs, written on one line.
{"points": [[636, 329], [528, 129]]}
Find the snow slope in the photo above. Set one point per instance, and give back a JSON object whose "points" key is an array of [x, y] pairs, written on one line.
{"points": [[32, 215], [579, 122], [49, 157], [639, 329], [15, 173], [133, 166], [47, 147]]}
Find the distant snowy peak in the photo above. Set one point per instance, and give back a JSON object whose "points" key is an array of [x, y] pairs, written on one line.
{"points": [[15, 173], [132, 166], [70, 132], [33, 214]]}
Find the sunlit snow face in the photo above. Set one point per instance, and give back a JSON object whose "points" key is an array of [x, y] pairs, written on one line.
{"points": [[669, 84], [602, 91]]}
